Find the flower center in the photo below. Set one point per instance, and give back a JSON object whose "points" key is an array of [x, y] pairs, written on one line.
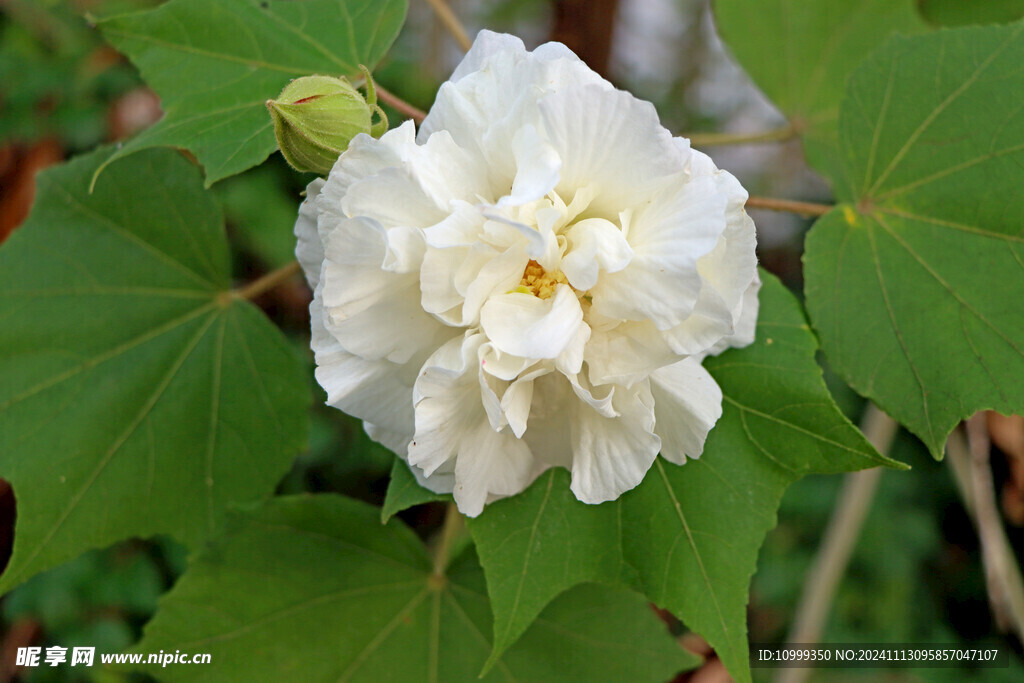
{"points": [[539, 282]]}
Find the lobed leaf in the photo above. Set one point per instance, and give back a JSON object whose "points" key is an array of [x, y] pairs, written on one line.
{"points": [[801, 53], [137, 395], [539, 543], [215, 64], [313, 588], [915, 284], [687, 536]]}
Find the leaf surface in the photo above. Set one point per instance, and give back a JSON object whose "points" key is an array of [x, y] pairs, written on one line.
{"points": [[915, 284], [801, 53], [960, 13], [137, 395], [314, 588], [215, 64]]}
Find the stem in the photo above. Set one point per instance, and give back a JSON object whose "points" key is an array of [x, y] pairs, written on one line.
{"points": [[453, 524], [267, 282], [802, 208], [838, 542], [970, 461], [713, 139], [400, 105], [452, 23]]}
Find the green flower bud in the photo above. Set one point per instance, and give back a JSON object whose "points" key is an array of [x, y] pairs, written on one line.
{"points": [[316, 117]]}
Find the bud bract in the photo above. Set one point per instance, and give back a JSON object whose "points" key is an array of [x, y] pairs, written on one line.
{"points": [[316, 117]]}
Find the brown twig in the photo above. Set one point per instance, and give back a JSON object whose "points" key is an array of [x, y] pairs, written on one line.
{"points": [[802, 208], [400, 105], [715, 139], [969, 459], [453, 524], [267, 282]]}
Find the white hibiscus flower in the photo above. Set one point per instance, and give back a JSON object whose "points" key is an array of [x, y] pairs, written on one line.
{"points": [[531, 281]]}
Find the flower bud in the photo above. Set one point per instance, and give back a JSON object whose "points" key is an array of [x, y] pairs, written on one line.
{"points": [[316, 117]]}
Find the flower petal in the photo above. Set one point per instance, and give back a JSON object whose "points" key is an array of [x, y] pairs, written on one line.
{"points": [[373, 313], [494, 94], [550, 417], [594, 243], [746, 325], [451, 424], [611, 455], [626, 353], [376, 390], [517, 400], [490, 465], [687, 404], [530, 327], [662, 283], [537, 166], [400, 183], [610, 140], [468, 276], [309, 248], [487, 45], [728, 272]]}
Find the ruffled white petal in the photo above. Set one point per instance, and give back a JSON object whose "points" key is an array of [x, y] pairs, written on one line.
{"points": [[452, 425], [594, 244], [626, 353], [401, 183], [376, 390], [728, 272], [458, 280], [371, 312], [687, 404], [309, 248], [745, 315], [611, 141], [661, 282], [537, 165], [611, 455], [524, 325]]}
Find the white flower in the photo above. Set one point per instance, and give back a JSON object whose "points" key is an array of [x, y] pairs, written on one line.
{"points": [[531, 281]]}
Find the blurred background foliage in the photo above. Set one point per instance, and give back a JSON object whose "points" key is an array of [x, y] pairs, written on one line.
{"points": [[916, 573]]}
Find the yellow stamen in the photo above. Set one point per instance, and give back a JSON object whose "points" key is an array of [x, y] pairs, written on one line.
{"points": [[538, 282]]}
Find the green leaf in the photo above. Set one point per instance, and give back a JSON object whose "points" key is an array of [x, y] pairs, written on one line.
{"points": [[801, 53], [404, 492], [915, 285], [137, 396], [963, 12], [537, 544], [687, 536], [313, 588], [215, 64]]}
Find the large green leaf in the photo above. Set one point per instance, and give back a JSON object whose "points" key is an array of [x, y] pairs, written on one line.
{"points": [[962, 12], [687, 536], [801, 53], [137, 395], [916, 284], [313, 588], [215, 64], [537, 544]]}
